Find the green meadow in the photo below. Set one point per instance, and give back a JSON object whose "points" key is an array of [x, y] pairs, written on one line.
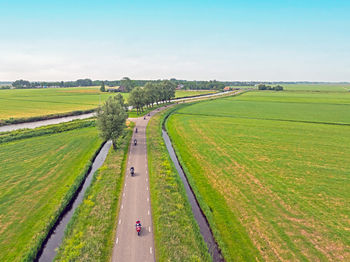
{"points": [[24, 103], [38, 176], [271, 171], [318, 87]]}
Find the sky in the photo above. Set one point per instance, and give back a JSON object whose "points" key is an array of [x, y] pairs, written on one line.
{"points": [[250, 40]]}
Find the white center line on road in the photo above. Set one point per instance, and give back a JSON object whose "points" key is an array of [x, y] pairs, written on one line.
{"points": [[147, 199], [150, 250], [148, 212], [124, 194], [116, 241], [120, 221], [122, 206], [149, 228]]}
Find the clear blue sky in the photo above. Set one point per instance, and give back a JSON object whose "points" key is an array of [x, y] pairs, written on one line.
{"points": [[202, 40]]}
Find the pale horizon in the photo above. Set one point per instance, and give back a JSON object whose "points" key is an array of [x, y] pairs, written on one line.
{"points": [[192, 40]]}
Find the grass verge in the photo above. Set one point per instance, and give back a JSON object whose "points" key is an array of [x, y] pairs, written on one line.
{"points": [[90, 233], [176, 233]]}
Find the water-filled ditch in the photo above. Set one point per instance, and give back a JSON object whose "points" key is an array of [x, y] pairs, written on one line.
{"points": [[197, 211], [54, 239]]}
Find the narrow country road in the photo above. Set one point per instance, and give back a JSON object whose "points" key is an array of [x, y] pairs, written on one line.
{"points": [[135, 204]]}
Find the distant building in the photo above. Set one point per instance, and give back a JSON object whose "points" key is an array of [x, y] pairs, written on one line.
{"points": [[179, 87], [122, 89], [227, 88]]}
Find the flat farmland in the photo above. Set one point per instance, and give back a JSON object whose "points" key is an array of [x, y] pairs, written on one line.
{"points": [[37, 175], [271, 177], [16, 103], [318, 87], [24, 103]]}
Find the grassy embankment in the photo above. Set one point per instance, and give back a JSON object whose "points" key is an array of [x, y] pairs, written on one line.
{"points": [[176, 233], [190, 93], [283, 184], [90, 233], [39, 175]]}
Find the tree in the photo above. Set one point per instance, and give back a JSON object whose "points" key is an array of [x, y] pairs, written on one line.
{"points": [[111, 119], [137, 99], [168, 89], [127, 84], [150, 93], [21, 84], [262, 87], [102, 88], [84, 82], [278, 88]]}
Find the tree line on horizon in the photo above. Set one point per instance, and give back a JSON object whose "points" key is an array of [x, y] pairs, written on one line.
{"points": [[126, 83]]}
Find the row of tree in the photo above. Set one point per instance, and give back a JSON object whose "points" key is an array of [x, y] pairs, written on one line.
{"points": [[151, 93], [265, 87], [125, 84]]}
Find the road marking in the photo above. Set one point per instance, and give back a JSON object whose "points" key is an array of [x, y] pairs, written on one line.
{"points": [[122, 206], [149, 229], [146, 178], [148, 212], [116, 241], [124, 194], [150, 250], [147, 199], [120, 221]]}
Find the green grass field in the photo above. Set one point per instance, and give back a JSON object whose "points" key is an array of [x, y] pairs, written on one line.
{"points": [[25, 103], [37, 178], [275, 189], [91, 231], [186, 93], [16, 103], [318, 87], [311, 87], [176, 233]]}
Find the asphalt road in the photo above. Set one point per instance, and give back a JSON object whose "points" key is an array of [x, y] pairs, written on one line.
{"points": [[135, 205]]}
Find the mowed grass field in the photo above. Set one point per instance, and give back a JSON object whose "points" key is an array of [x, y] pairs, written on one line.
{"points": [[268, 175], [37, 177], [16, 103], [318, 87], [186, 93]]}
